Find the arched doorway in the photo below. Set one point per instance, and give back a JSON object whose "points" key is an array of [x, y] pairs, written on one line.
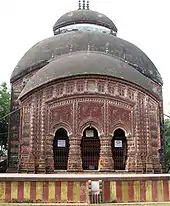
{"points": [[60, 149], [90, 149], [119, 149]]}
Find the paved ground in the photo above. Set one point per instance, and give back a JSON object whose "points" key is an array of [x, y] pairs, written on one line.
{"points": [[107, 204]]}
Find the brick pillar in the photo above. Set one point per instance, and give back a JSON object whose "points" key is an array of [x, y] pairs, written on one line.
{"points": [[137, 135], [130, 163], [42, 164], [74, 157], [27, 164], [106, 162], [49, 154], [153, 142], [149, 165]]}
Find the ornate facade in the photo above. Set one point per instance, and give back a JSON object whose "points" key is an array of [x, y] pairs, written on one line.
{"points": [[89, 105]]}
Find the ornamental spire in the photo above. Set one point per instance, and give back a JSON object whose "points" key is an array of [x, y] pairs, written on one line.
{"points": [[87, 4], [79, 4], [82, 4]]}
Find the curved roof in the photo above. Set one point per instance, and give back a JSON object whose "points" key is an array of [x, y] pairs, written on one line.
{"points": [[84, 16], [44, 51], [85, 63]]}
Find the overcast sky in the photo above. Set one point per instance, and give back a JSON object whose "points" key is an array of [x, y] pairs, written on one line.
{"points": [[145, 23]]}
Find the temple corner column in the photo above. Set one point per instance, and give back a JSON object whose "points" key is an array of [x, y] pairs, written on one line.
{"points": [[106, 162], [74, 158]]}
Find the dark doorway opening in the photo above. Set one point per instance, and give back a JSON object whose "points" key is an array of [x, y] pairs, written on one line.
{"points": [[60, 149], [119, 149], [90, 149]]}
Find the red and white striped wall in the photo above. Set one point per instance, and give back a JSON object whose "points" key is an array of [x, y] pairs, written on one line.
{"points": [[136, 191], [74, 188]]}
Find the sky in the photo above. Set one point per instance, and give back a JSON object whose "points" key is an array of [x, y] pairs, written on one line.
{"points": [[145, 23]]}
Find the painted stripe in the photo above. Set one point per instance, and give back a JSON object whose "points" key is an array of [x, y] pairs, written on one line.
{"points": [[51, 186], [77, 191], [26, 190], [119, 191], [87, 191], [70, 191], [2, 190], [136, 191], [64, 188], [142, 191], [45, 191], [169, 188], [160, 191], [113, 190], [14, 191], [106, 191], [83, 192], [20, 191], [58, 191], [166, 190], [125, 191], [130, 191], [103, 191], [8, 191], [39, 191], [148, 191], [33, 191], [154, 191]]}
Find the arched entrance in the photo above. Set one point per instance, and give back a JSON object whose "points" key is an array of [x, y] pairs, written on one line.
{"points": [[119, 149], [90, 149], [60, 149]]}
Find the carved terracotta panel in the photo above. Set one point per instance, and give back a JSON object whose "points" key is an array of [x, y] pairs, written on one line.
{"points": [[118, 115], [61, 114], [90, 110]]}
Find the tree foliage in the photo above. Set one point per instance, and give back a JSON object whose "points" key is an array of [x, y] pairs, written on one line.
{"points": [[167, 141], [4, 110]]}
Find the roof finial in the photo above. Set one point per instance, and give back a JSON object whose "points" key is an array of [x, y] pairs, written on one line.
{"points": [[87, 4], [83, 4], [79, 4]]}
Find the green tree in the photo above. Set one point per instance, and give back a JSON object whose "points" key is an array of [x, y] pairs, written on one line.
{"points": [[167, 141], [4, 110]]}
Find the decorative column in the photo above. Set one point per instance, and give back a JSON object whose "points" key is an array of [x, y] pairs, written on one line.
{"points": [[31, 159], [42, 167], [149, 165], [49, 154], [106, 162], [130, 163], [137, 135], [153, 144], [74, 157]]}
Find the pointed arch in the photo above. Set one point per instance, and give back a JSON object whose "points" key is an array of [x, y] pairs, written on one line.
{"points": [[90, 148], [60, 149], [119, 149], [121, 126], [93, 124], [56, 127]]}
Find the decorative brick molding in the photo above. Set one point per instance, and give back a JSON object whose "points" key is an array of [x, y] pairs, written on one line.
{"points": [[104, 103]]}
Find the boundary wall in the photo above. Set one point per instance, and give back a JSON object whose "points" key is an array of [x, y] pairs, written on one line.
{"points": [[74, 188]]}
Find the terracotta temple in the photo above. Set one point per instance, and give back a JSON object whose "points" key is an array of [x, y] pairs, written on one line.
{"points": [[85, 100]]}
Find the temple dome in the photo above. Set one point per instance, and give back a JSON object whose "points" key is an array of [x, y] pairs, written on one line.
{"points": [[87, 63], [44, 51], [82, 17]]}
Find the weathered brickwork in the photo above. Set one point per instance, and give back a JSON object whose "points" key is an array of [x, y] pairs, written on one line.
{"points": [[74, 104], [14, 123]]}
